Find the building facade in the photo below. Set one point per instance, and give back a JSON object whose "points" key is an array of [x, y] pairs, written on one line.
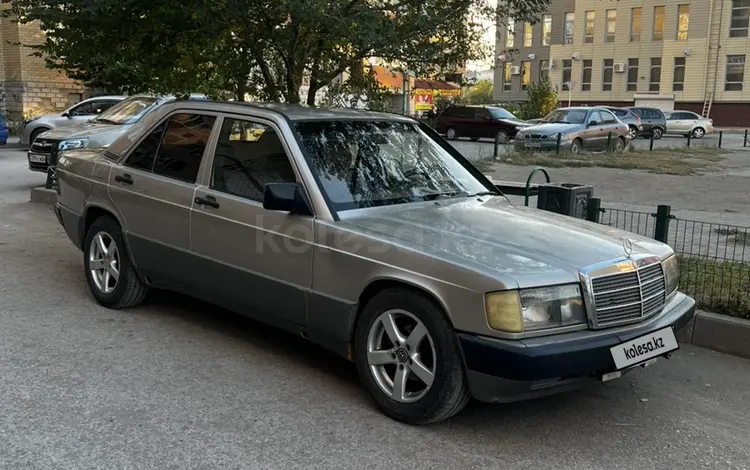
{"points": [[27, 86], [690, 53]]}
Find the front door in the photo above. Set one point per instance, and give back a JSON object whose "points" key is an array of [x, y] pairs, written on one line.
{"points": [[154, 191], [252, 260]]}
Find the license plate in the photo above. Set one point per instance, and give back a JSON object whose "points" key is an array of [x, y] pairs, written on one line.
{"points": [[35, 158], [644, 348], [533, 146]]}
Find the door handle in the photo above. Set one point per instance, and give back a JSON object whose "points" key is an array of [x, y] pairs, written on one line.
{"points": [[209, 201], [124, 179]]}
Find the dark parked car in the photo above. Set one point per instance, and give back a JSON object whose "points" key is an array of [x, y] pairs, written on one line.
{"points": [[476, 122], [635, 127], [653, 121]]}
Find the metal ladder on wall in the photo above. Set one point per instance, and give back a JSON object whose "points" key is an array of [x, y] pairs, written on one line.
{"points": [[714, 49]]}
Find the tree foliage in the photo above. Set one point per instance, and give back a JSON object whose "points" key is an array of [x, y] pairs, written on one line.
{"points": [[261, 48], [542, 99], [480, 93]]}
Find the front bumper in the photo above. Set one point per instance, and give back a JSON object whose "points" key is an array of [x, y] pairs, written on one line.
{"points": [[504, 371], [546, 144]]}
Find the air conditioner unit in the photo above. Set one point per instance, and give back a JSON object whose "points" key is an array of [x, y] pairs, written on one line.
{"points": [[501, 58], [620, 68], [552, 63], [576, 56], [515, 70]]}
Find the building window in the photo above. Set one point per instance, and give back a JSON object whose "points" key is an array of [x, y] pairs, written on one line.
{"points": [[740, 19], [567, 66], [636, 15], [632, 84], [678, 80], [655, 77], [611, 25], [607, 75], [659, 15], [590, 26], [735, 73], [546, 30], [570, 26], [525, 75], [683, 21], [586, 80], [507, 76], [528, 35], [510, 34], [544, 69]]}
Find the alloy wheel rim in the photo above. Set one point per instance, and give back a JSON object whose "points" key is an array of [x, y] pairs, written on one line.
{"points": [[698, 133], [401, 356], [451, 134], [631, 134], [502, 137], [657, 133], [104, 262]]}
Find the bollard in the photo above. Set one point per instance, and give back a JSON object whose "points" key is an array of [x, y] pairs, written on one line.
{"points": [[689, 136], [593, 209], [497, 147], [559, 139], [609, 141], [651, 142], [744, 143], [721, 134], [661, 229]]}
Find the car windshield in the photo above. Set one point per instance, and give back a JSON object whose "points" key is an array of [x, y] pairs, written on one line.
{"points": [[568, 116], [376, 163], [128, 111], [501, 113]]}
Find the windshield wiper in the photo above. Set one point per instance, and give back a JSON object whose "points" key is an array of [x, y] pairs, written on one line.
{"points": [[106, 121]]}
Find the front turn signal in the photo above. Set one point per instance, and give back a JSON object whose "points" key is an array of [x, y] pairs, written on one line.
{"points": [[503, 311]]}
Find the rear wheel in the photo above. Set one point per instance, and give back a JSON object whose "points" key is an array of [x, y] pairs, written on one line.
{"points": [[451, 134], [698, 133], [632, 133], [620, 145], [409, 359], [657, 133]]}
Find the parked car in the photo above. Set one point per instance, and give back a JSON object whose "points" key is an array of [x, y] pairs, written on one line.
{"points": [[579, 128], [476, 122], [653, 121], [78, 113], [95, 133], [689, 123], [368, 234], [4, 131], [631, 119]]}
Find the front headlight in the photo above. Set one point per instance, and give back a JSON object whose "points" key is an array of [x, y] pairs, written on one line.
{"points": [[535, 309], [563, 137], [72, 144], [671, 273]]}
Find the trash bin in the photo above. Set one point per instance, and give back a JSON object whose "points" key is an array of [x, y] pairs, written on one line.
{"points": [[565, 198]]}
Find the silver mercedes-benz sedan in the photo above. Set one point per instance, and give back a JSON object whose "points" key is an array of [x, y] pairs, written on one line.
{"points": [[369, 235]]}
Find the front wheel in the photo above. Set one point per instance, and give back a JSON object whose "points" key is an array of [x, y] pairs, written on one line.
{"points": [[409, 359], [110, 275], [502, 137], [698, 133], [657, 133], [576, 147]]}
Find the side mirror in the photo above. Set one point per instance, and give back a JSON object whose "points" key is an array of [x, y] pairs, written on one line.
{"points": [[592, 124], [285, 197], [66, 114]]}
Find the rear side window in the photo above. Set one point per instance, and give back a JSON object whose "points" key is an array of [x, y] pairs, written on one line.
{"points": [[620, 112], [466, 112], [182, 146], [607, 117], [452, 111]]}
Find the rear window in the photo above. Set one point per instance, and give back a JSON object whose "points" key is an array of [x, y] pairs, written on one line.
{"points": [[619, 112]]}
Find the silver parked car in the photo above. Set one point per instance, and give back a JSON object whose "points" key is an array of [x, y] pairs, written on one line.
{"points": [[688, 123], [369, 235], [76, 114], [578, 128]]}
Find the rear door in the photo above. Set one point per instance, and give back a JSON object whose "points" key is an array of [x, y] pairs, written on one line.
{"points": [[154, 189], [610, 127], [678, 123], [592, 135]]}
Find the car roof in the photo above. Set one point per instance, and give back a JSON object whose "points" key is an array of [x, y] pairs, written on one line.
{"points": [[105, 97], [296, 112]]}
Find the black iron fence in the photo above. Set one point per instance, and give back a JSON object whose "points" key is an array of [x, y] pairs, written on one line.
{"points": [[714, 257]]}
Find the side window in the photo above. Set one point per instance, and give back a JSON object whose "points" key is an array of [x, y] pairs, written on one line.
{"points": [[595, 117], [182, 146], [466, 113], [248, 156], [482, 114], [144, 156], [84, 109], [450, 111], [101, 106], [607, 117]]}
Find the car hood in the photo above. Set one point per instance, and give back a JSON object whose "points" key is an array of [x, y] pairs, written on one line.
{"points": [[100, 135], [515, 122], [553, 128], [500, 239]]}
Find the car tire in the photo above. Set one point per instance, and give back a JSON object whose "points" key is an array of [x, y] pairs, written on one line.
{"points": [[35, 134], [381, 360], [698, 133], [451, 134], [620, 144], [657, 133], [502, 137], [632, 132], [110, 275], [576, 146]]}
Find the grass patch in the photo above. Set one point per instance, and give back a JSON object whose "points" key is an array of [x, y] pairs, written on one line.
{"points": [[717, 286], [672, 161]]}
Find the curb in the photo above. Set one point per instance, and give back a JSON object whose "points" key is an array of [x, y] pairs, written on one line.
{"points": [[720, 333], [43, 195]]}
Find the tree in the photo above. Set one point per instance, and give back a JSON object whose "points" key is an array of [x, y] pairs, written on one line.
{"points": [[481, 93], [258, 47], [542, 99]]}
